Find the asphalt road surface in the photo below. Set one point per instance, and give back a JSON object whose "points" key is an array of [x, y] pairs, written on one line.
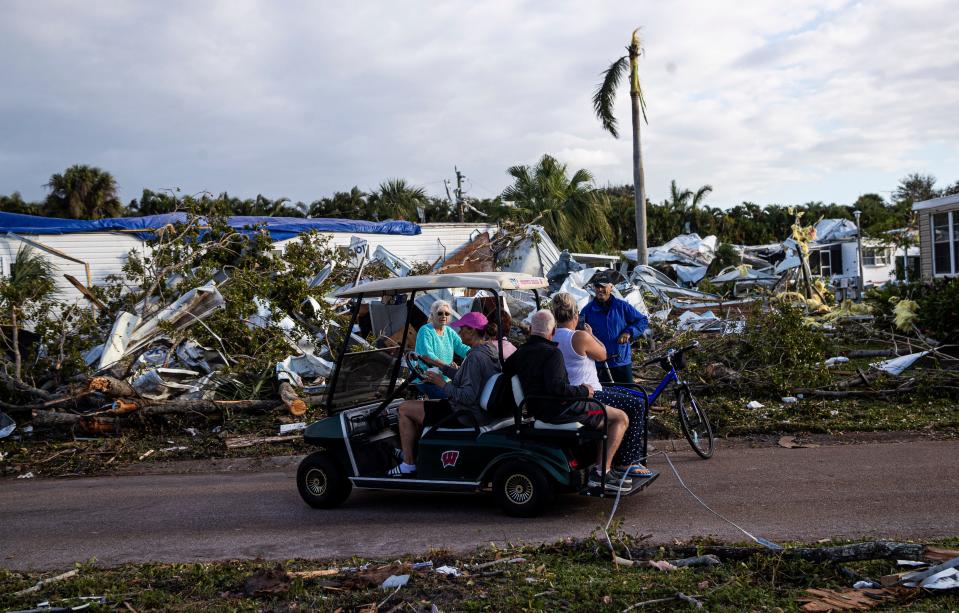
{"points": [[899, 490]]}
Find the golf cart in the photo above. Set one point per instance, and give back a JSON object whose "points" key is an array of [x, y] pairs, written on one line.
{"points": [[523, 461]]}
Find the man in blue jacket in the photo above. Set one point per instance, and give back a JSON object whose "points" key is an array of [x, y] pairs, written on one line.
{"points": [[616, 323]]}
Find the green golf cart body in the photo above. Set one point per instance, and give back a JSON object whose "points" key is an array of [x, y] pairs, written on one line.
{"points": [[522, 460]]}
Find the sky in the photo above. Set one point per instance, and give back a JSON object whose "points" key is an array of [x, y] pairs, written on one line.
{"points": [[770, 102]]}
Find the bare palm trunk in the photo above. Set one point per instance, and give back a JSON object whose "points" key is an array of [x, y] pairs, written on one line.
{"points": [[17, 361], [639, 185]]}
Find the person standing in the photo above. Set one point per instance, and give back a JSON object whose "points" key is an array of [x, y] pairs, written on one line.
{"points": [[616, 324]]}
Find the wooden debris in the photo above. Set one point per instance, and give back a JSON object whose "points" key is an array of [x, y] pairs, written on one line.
{"points": [[871, 550], [824, 601], [250, 441]]}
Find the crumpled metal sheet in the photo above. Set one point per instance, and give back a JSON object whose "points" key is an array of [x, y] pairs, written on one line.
{"points": [[7, 425], [162, 383], [193, 306], [296, 368]]}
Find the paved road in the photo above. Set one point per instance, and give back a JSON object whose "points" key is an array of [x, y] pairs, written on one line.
{"points": [[906, 490]]}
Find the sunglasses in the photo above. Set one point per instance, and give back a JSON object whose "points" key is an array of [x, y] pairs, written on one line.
{"points": [[442, 314]]}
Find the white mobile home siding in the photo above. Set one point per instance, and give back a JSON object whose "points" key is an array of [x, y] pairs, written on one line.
{"points": [[437, 241], [104, 252]]}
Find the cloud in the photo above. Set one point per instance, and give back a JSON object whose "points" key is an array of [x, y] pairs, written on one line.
{"points": [[783, 102]]}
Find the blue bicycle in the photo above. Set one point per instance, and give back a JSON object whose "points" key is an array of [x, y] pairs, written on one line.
{"points": [[692, 418]]}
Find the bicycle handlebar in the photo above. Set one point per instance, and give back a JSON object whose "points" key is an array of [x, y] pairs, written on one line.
{"points": [[671, 353]]}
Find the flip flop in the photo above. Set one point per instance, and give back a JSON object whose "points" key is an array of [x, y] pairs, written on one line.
{"points": [[637, 470]]}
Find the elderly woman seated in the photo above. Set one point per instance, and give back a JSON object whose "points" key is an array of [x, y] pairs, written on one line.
{"points": [[436, 344]]}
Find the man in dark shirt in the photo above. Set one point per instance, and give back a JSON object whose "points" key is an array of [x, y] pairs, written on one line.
{"points": [[541, 370]]}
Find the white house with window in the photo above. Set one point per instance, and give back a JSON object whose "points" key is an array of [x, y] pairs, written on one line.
{"points": [[939, 236]]}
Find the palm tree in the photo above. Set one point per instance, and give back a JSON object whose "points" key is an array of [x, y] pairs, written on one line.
{"points": [[397, 199], [30, 281], [684, 202], [567, 207], [83, 192], [603, 100], [351, 205]]}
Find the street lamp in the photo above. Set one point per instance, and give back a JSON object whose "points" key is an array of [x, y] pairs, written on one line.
{"points": [[861, 286]]}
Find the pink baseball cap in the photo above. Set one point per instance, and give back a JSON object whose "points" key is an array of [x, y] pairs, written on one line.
{"points": [[473, 319]]}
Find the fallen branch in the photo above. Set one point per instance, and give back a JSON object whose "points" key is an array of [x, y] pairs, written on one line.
{"points": [[36, 588], [291, 400], [112, 387], [173, 407], [873, 550], [250, 441]]}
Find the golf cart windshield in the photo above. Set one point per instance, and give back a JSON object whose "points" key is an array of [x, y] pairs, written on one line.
{"points": [[366, 370]]}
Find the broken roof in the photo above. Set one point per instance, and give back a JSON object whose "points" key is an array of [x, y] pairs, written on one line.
{"points": [[475, 280]]}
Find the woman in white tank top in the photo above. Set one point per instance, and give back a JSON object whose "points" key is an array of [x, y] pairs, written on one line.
{"points": [[581, 350]]}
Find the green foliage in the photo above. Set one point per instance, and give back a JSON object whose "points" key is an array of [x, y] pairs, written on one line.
{"points": [[784, 349], [257, 276], [938, 312], [726, 255]]}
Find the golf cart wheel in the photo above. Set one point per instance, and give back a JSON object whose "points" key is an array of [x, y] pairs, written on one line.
{"points": [[695, 425], [322, 482], [521, 489]]}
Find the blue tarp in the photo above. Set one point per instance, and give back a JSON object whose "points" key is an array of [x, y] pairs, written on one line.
{"points": [[280, 228]]}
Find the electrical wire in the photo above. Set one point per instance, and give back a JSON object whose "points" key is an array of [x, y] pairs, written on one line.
{"points": [[757, 539]]}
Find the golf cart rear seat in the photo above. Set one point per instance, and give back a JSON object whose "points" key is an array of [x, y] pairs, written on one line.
{"points": [[519, 397], [484, 404]]}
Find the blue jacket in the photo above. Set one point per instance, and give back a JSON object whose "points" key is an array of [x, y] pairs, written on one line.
{"points": [[609, 321]]}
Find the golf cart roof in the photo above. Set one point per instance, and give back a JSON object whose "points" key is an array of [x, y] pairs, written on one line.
{"points": [[497, 281]]}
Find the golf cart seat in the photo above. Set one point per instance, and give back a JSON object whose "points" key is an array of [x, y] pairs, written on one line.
{"points": [[519, 397], [485, 396]]}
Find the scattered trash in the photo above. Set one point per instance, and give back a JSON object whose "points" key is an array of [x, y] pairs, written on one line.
{"points": [[837, 360], [754, 404], [896, 366], [395, 581], [172, 449], [287, 428], [449, 571], [28, 475], [145, 455], [422, 565], [192, 431], [7, 425], [790, 399]]}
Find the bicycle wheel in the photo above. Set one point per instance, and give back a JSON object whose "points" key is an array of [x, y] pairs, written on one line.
{"points": [[695, 424]]}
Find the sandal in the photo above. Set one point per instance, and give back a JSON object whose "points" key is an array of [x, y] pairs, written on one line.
{"points": [[636, 471]]}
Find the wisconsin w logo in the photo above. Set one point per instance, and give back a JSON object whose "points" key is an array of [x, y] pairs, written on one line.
{"points": [[449, 458]]}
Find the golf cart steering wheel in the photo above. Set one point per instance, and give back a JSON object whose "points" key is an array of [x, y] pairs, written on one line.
{"points": [[413, 363]]}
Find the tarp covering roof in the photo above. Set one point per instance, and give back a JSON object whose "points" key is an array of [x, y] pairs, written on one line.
{"points": [[280, 228]]}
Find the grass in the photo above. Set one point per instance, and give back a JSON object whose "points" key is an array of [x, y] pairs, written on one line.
{"points": [[567, 576]]}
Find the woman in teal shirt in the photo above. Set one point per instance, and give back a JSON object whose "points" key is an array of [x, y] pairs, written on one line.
{"points": [[436, 344]]}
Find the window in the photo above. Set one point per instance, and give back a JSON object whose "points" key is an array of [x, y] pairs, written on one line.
{"points": [[945, 236], [875, 256]]}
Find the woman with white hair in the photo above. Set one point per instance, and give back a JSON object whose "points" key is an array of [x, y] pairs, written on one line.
{"points": [[581, 351], [436, 344]]}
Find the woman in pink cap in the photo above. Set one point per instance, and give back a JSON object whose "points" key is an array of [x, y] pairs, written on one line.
{"points": [[461, 394]]}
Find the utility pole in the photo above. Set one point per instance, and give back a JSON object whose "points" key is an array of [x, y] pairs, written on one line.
{"points": [[460, 209]]}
